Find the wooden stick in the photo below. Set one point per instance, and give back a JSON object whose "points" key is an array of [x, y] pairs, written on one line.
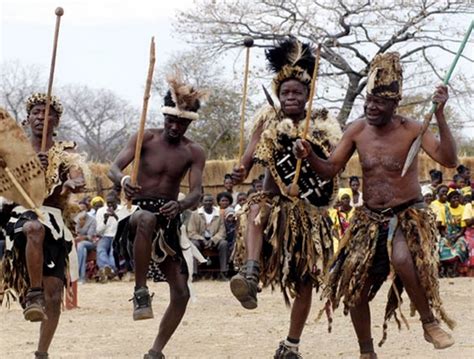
{"points": [[293, 189], [415, 147], [141, 128], [59, 12], [248, 42], [23, 193]]}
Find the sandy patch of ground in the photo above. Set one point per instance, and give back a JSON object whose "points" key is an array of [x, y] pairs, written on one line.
{"points": [[217, 327]]}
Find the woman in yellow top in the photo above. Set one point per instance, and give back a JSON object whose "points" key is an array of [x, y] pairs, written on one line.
{"points": [[341, 214], [468, 219], [452, 245]]}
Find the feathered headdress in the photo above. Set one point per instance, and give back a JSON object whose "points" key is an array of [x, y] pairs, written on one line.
{"points": [[290, 59], [182, 100], [385, 76]]}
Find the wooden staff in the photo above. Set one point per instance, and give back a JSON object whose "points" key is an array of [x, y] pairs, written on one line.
{"points": [[59, 12], [293, 188], [248, 42], [141, 129], [23, 193], [415, 147]]}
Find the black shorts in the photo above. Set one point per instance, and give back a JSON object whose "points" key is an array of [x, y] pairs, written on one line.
{"points": [[55, 251], [381, 261]]}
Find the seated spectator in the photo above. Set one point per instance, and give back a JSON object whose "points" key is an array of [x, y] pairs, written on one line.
{"points": [[229, 187], [436, 179], [458, 182], [206, 229], [427, 194], [85, 239], [468, 218], [107, 221], [96, 203], [257, 184], [440, 204], [224, 200], [356, 197], [230, 222], [241, 199], [465, 173], [452, 245]]}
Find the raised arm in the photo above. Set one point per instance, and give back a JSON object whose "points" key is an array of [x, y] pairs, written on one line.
{"points": [[443, 150], [338, 158]]}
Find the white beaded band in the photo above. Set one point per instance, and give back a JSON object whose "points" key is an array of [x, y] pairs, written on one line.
{"points": [[123, 180], [174, 111]]}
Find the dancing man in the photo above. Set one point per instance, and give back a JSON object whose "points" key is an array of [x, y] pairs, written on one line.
{"points": [[393, 230], [36, 265], [152, 231], [285, 240]]}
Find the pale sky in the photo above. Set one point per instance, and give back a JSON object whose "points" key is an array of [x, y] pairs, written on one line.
{"points": [[102, 43]]}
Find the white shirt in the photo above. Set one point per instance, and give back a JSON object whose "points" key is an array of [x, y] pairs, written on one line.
{"points": [[106, 229]]}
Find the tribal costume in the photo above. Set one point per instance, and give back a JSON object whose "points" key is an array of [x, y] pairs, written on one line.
{"points": [[297, 237], [366, 251], [58, 238]]}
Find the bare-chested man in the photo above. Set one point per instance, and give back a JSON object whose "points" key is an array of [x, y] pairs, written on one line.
{"points": [[393, 229], [36, 264], [153, 230]]}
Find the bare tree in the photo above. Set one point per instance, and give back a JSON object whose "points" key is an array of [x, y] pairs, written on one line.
{"points": [[351, 34], [217, 129], [17, 83], [98, 120]]}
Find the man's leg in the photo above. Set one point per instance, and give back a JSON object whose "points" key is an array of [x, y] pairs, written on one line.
{"points": [[179, 297], [81, 259], [402, 262], [360, 316], [143, 224], [34, 301], [244, 285], [53, 290], [200, 246], [299, 313], [223, 250]]}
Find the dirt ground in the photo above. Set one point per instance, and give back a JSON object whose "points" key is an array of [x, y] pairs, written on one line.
{"points": [[215, 326]]}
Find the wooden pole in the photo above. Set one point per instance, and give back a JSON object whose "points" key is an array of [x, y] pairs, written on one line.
{"points": [[248, 42], [59, 12], [141, 129], [23, 193], [415, 147], [293, 189]]}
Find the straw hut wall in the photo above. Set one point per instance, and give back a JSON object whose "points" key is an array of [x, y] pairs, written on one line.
{"points": [[215, 170]]}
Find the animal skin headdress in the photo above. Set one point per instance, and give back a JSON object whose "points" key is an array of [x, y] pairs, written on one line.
{"points": [[40, 99], [182, 100], [290, 59], [385, 76]]}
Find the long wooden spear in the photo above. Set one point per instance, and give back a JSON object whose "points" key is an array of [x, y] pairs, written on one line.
{"points": [[141, 128], [293, 188], [59, 12], [415, 147], [248, 43]]}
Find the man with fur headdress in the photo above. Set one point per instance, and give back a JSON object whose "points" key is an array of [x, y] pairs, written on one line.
{"points": [[285, 240], [36, 261], [152, 232], [394, 230]]}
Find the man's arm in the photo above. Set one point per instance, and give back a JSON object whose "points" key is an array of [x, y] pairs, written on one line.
{"points": [[443, 150], [195, 179], [338, 158]]}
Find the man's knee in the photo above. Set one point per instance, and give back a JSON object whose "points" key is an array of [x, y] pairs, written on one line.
{"points": [[222, 245], [54, 294], [145, 221], [34, 231], [401, 261], [180, 296]]}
